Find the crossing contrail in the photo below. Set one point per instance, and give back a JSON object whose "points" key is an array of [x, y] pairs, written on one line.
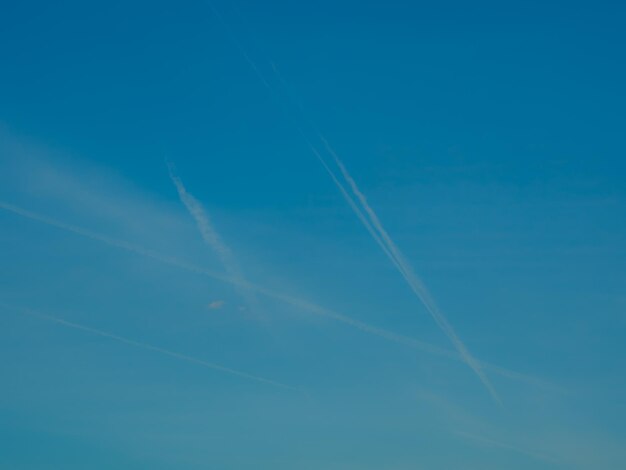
{"points": [[376, 229], [290, 300], [372, 223], [150, 347]]}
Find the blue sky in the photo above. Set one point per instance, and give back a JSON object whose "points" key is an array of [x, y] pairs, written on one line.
{"points": [[183, 284]]}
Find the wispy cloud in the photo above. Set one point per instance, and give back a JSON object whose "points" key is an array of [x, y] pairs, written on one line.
{"points": [[372, 223], [209, 234], [288, 299], [150, 347], [216, 304]]}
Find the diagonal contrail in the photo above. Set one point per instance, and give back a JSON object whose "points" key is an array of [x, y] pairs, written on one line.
{"points": [[295, 302], [355, 208], [210, 235], [150, 347], [392, 251]]}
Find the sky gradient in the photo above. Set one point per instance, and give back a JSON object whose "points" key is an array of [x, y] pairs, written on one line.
{"points": [[337, 235]]}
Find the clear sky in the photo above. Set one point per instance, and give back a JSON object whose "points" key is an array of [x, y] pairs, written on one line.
{"points": [[183, 285]]}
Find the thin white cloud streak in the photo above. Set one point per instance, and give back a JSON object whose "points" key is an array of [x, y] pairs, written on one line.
{"points": [[293, 301], [207, 231], [150, 347], [353, 205], [397, 258], [210, 235]]}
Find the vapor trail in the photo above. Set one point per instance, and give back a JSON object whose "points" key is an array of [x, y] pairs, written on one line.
{"points": [[373, 226], [209, 234], [233, 38], [295, 302], [355, 208], [150, 347], [405, 269]]}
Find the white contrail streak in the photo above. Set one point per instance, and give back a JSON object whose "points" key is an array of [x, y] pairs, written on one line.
{"points": [[354, 206], [150, 347], [397, 258], [210, 235], [208, 232], [375, 228], [295, 302]]}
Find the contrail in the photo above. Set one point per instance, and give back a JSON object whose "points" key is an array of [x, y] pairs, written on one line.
{"points": [[210, 235], [208, 232], [374, 226], [398, 259], [150, 347], [295, 302], [233, 38], [353, 205]]}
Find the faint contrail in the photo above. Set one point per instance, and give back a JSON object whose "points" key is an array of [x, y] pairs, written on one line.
{"points": [[397, 258], [124, 245], [295, 302], [150, 347], [209, 234], [231, 35]]}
